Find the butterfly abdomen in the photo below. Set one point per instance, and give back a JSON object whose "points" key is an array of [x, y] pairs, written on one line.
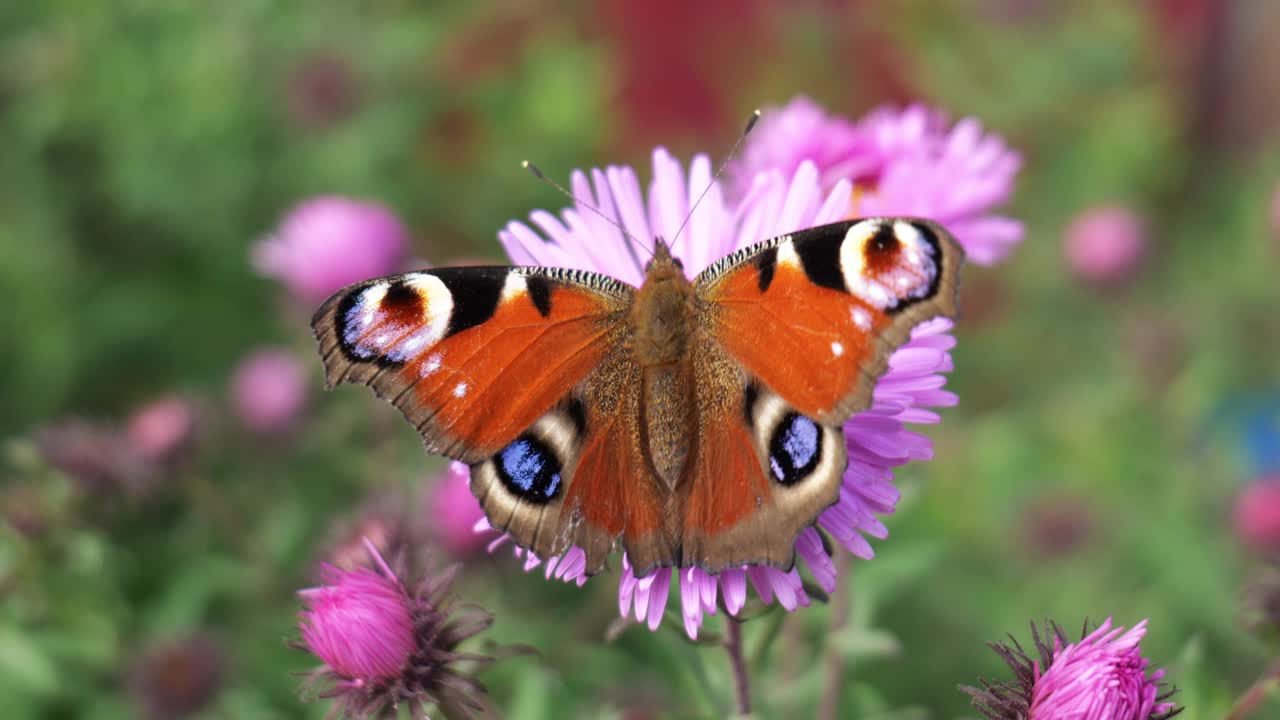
{"points": [[662, 323]]}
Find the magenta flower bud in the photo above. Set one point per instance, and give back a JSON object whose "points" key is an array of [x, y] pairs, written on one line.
{"points": [[455, 512], [269, 391], [358, 623], [329, 242], [385, 644], [163, 429], [1102, 677], [1257, 514], [1105, 245]]}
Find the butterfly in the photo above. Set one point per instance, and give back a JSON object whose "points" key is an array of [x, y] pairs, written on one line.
{"points": [[695, 423]]}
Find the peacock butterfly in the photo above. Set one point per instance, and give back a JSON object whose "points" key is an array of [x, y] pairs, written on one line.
{"points": [[698, 423]]}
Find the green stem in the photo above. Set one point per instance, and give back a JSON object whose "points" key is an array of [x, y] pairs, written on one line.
{"points": [[741, 676]]}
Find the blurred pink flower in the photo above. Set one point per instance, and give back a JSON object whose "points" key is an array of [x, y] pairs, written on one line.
{"points": [[163, 429], [1105, 244], [455, 511], [96, 456], [1102, 677], [385, 645], [901, 162], [878, 440], [269, 391], [1257, 514], [329, 242]]}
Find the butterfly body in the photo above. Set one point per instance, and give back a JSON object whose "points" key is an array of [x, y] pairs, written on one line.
{"points": [[697, 422]]}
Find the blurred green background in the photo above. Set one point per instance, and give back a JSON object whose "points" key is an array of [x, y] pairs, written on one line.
{"points": [[1090, 470]]}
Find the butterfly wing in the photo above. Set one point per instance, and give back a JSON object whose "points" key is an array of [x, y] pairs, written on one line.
{"points": [[472, 356], [806, 323], [522, 372], [815, 314]]}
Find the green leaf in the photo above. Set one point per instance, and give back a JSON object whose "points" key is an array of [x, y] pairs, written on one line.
{"points": [[26, 664]]}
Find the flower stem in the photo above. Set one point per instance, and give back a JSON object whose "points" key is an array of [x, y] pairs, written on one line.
{"points": [[741, 678], [1253, 697], [828, 708]]}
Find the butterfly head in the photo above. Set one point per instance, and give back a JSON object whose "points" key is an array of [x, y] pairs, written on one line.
{"points": [[663, 264]]}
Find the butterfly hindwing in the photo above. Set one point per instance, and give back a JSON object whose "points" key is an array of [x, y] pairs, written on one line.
{"points": [[762, 472], [815, 314], [579, 476], [471, 356]]}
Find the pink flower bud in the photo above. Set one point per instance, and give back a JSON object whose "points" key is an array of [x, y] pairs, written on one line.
{"points": [[359, 624], [1257, 514], [269, 391], [1105, 244], [329, 242], [162, 429], [455, 511], [1103, 676]]}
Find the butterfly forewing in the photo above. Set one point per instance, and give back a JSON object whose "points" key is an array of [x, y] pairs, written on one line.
{"points": [[471, 356], [815, 314]]}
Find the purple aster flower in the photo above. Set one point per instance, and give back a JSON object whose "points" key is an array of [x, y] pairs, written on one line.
{"points": [[1102, 677], [901, 162], [878, 439], [383, 644], [329, 242], [454, 511]]}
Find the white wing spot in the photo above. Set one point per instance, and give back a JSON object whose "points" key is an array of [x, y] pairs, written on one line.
{"points": [[837, 349], [460, 389], [431, 365], [514, 287], [861, 318], [787, 253]]}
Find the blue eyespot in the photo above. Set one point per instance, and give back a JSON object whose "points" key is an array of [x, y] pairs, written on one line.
{"points": [[795, 449], [529, 469]]}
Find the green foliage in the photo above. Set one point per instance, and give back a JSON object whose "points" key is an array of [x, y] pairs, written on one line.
{"points": [[149, 144]]}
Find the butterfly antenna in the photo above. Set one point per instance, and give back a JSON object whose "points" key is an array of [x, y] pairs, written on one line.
{"points": [[612, 221], [751, 123]]}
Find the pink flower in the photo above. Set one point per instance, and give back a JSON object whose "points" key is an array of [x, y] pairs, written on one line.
{"points": [[269, 391], [455, 512], [329, 242], [1102, 677], [358, 623], [384, 645], [878, 439], [901, 162], [1257, 514], [162, 429], [1105, 244]]}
